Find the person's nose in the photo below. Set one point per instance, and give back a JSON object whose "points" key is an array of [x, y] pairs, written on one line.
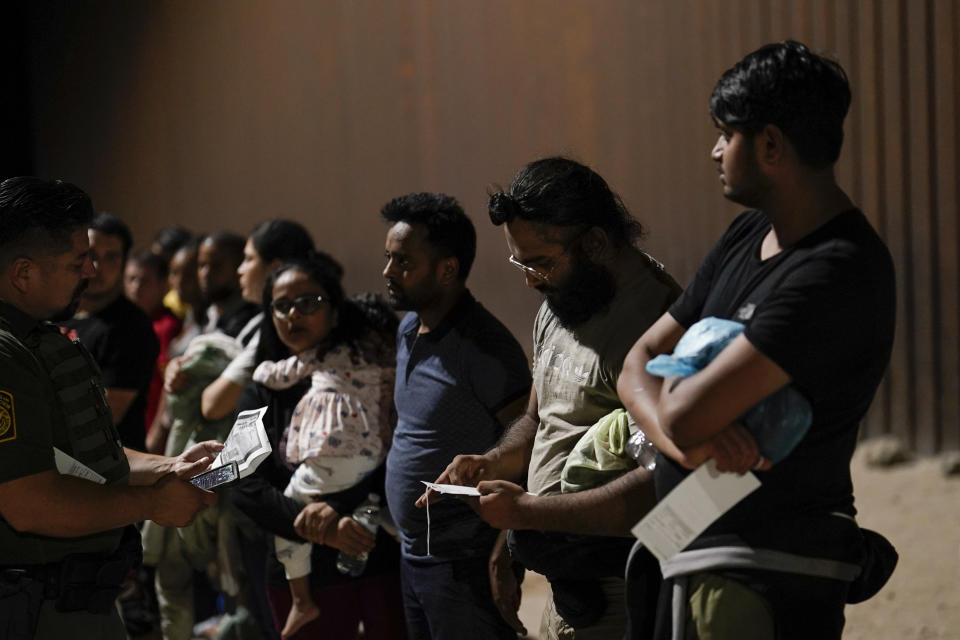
{"points": [[89, 269], [717, 152]]}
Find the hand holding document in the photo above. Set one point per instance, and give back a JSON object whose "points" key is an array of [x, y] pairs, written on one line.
{"points": [[452, 489]]}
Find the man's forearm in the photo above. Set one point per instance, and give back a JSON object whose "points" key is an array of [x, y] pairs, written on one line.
{"points": [[51, 504], [511, 456], [220, 398], [147, 468], [608, 510]]}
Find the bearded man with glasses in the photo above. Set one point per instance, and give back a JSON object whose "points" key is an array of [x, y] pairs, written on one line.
{"points": [[574, 241]]}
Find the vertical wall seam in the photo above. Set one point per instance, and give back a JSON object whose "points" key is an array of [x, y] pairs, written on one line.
{"points": [[882, 222], [906, 229], [934, 257]]}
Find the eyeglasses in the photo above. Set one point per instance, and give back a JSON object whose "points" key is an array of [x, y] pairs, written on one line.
{"points": [[305, 305], [543, 276]]}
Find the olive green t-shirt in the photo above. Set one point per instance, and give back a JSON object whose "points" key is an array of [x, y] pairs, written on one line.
{"points": [[575, 370], [51, 396]]}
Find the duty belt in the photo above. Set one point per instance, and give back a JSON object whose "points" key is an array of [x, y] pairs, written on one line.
{"points": [[83, 581]]}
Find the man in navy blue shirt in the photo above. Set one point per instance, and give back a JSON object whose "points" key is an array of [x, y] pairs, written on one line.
{"points": [[461, 377]]}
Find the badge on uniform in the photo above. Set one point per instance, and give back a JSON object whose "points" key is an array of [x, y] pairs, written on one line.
{"points": [[8, 418]]}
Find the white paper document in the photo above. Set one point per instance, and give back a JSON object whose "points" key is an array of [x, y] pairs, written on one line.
{"points": [[246, 443], [67, 465], [452, 489], [692, 506]]}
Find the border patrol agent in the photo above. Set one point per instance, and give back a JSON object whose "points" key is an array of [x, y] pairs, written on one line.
{"points": [[69, 491]]}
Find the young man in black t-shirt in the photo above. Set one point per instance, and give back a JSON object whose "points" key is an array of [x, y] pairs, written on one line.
{"points": [[117, 332], [814, 285]]}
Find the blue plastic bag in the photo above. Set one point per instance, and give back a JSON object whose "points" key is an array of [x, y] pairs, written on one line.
{"points": [[777, 423]]}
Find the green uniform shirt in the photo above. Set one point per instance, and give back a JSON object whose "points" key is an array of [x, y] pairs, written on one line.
{"points": [[51, 395]]}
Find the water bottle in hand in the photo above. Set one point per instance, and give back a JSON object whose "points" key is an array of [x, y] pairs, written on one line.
{"points": [[642, 450], [368, 515]]}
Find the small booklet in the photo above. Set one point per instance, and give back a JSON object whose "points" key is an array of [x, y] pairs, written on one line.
{"points": [[246, 444]]}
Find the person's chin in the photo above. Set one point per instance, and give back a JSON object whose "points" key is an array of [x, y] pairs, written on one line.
{"points": [[398, 302], [67, 312]]}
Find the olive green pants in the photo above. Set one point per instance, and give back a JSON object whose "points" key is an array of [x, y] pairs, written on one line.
{"points": [[612, 624], [723, 609]]}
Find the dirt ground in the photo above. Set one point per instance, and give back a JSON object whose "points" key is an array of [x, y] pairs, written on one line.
{"points": [[918, 510]]}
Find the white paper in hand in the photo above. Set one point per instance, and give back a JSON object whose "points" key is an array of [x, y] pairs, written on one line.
{"points": [[692, 506], [452, 489], [246, 443]]}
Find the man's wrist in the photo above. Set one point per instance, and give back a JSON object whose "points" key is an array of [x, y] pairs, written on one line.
{"points": [[493, 465], [145, 500]]}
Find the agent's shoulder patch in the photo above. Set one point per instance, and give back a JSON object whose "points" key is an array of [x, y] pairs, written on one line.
{"points": [[8, 417]]}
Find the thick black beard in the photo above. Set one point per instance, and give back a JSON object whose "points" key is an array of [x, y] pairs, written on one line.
{"points": [[588, 290]]}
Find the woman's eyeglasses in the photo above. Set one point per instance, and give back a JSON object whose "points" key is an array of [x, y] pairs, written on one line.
{"points": [[305, 305]]}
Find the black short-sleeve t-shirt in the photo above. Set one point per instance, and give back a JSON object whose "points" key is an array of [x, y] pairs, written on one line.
{"points": [[823, 310], [121, 339]]}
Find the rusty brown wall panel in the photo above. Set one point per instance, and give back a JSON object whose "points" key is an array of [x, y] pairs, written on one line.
{"points": [[944, 44], [917, 220], [950, 238], [893, 190], [222, 113], [869, 158]]}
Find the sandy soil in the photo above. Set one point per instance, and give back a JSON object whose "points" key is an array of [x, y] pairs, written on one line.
{"points": [[918, 510]]}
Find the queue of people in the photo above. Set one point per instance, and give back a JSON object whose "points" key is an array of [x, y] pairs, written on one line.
{"points": [[362, 405]]}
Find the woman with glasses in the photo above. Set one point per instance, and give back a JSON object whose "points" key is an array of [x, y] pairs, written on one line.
{"points": [[269, 245], [333, 435]]}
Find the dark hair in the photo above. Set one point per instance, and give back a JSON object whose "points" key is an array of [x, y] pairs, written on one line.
{"points": [[229, 243], [110, 225], [169, 240], [193, 244], [355, 317], [39, 216], [564, 193], [281, 240], [449, 230], [148, 259], [805, 95]]}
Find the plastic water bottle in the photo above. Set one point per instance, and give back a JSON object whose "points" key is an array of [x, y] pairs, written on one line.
{"points": [[642, 450], [368, 515]]}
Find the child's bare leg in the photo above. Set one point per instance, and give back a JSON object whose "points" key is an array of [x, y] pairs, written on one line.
{"points": [[303, 609]]}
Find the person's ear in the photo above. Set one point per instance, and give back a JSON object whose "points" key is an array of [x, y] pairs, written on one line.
{"points": [[449, 269], [770, 146], [595, 243], [20, 273]]}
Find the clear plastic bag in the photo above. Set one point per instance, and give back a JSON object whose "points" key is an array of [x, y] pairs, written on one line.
{"points": [[778, 422]]}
